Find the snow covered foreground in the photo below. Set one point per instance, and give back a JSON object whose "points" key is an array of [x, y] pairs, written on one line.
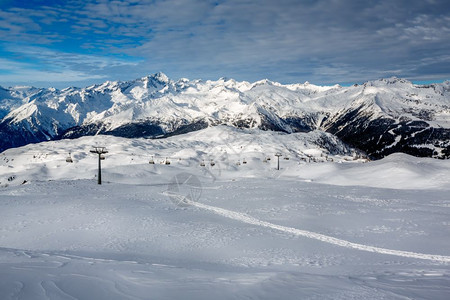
{"points": [[319, 230]]}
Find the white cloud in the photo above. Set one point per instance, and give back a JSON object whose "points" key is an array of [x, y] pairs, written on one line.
{"points": [[242, 38]]}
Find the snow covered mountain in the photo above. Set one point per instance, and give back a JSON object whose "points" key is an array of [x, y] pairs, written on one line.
{"points": [[379, 117]]}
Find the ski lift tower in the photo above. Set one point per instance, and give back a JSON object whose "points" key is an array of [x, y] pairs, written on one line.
{"points": [[278, 154], [100, 151]]}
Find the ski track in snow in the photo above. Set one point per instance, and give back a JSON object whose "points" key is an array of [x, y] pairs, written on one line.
{"points": [[317, 236]]}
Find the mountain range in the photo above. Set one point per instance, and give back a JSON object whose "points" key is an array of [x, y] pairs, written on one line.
{"points": [[378, 117]]}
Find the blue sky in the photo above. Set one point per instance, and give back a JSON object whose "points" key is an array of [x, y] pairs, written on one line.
{"points": [[78, 43]]}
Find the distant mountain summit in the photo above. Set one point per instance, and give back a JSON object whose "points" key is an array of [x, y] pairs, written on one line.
{"points": [[378, 117]]}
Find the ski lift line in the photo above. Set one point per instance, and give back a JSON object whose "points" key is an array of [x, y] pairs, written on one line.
{"points": [[36, 153], [316, 236], [47, 155]]}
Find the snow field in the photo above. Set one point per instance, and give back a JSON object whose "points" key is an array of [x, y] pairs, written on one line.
{"points": [[125, 240], [250, 231]]}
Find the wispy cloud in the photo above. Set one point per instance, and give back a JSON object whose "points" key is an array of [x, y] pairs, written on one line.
{"points": [[38, 65], [16, 73]]}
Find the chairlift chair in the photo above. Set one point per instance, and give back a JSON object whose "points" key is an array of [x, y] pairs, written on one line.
{"points": [[69, 159]]}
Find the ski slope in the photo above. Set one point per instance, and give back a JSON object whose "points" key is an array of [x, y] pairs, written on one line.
{"points": [[346, 229]]}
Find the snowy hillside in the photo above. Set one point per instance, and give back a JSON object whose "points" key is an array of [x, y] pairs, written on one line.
{"points": [[227, 147], [327, 225], [378, 117]]}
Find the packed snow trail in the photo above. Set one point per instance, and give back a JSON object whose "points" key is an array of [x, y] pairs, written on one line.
{"points": [[312, 235]]}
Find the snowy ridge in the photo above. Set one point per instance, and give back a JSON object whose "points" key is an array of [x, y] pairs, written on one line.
{"points": [[156, 105]]}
